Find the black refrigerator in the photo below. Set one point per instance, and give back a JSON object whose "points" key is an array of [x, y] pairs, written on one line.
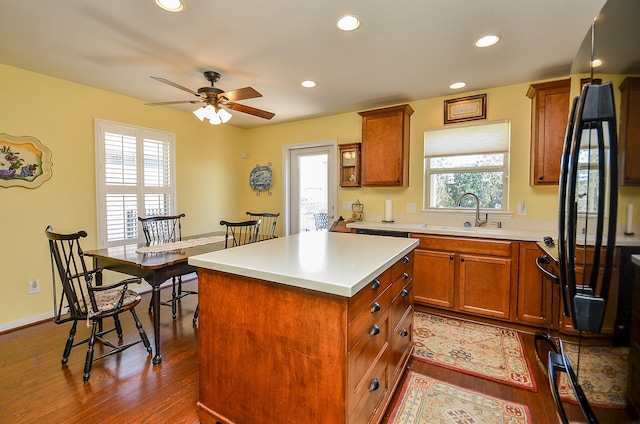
{"points": [[587, 206]]}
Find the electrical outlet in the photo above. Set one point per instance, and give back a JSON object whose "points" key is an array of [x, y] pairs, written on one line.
{"points": [[522, 208], [411, 207], [34, 286], [346, 206]]}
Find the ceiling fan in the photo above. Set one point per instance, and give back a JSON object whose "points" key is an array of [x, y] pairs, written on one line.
{"points": [[217, 98]]}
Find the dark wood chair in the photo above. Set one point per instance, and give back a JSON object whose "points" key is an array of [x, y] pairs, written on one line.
{"points": [[79, 296], [162, 229], [267, 225], [237, 234]]}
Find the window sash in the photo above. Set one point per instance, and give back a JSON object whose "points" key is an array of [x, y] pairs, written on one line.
{"points": [[135, 169]]}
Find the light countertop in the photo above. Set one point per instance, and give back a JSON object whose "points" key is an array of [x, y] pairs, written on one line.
{"points": [[635, 259], [336, 263], [518, 234]]}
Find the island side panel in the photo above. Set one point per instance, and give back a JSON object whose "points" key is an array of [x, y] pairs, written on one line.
{"points": [[269, 352]]}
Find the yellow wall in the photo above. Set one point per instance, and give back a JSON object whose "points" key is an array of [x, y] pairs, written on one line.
{"points": [[212, 175]]}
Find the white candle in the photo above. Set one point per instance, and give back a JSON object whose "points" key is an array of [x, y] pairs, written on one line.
{"points": [[629, 228], [388, 208]]}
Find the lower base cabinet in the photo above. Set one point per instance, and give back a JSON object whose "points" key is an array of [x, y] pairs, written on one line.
{"points": [[475, 276], [272, 353]]}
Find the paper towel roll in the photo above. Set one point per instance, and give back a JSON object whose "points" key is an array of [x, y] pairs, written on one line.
{"points": [[388, 208], [629, 228]]}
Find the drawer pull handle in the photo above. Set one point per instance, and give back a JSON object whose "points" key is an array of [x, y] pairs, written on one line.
{"points": [[374, 331], [404, 333], [451, 257], [375, 384], [461, 259], [405, 275], [404, 293], [375, 284], [375, 308], [405, 260]]}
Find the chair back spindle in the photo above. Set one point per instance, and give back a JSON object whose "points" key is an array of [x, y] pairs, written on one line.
{"points": [[240, 233], [268, 224], [162, 228]]}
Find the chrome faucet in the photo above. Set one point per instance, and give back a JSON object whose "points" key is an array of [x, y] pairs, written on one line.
{"points": [[479, 222]]}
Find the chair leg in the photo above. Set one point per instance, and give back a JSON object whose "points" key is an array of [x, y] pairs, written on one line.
{"points": [[116, 321], [69, 345], [174, 299], [88, 362], [195, 314], [143, 335]]}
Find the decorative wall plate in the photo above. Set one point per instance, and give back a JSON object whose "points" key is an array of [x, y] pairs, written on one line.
{"points": [[261, 178], [24, 162]]}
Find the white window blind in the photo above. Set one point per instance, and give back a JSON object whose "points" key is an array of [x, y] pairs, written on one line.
{"points": [[487, 138], [135, 177]]}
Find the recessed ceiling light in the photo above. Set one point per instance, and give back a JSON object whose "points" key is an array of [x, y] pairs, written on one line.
{"points": [[171, 5], [348, 22], [595, 63], [457, 85], [308, 84], [488, 40]]}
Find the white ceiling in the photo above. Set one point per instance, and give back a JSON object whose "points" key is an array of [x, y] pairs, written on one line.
{"points": [[404, 50]]}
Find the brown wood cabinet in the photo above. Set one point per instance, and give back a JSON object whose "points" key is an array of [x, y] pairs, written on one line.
{"points": [[549, 117], [629, 153], [474, 276], [273, 353], [538, 293], [385, 146], [535, 292], [350, 165]]}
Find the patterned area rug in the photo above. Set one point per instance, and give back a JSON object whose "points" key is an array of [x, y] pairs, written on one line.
{"points": [[486, 351], [602, 374], [425, 400]]}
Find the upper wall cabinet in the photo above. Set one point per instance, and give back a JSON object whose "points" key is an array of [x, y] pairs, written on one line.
{"points": [[385, 146], [630, 132], [549, 118]]}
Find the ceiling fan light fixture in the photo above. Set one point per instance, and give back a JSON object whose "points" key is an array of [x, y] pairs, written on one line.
{"points": [[348, 22], [171, 5], [488, 40], [201, 113], [308, 84], [224, 115]]}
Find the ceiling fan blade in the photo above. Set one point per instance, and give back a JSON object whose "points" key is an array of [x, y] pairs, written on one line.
{"points": [[240, 94], [177, 102], [173, 84], [250, 110]]}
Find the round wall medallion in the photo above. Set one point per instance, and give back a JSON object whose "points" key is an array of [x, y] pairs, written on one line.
{"points": [[261, 178]]}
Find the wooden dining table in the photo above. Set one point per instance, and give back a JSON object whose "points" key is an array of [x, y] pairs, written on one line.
{"points": [[155, 268]]}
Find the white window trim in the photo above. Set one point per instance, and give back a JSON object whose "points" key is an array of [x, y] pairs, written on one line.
{"points": [[102, 126], [465, 150]]}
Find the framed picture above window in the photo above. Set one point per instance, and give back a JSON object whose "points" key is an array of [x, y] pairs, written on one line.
{"points": [[464, 109]]}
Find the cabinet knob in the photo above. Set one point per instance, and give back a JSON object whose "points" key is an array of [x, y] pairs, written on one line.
{"points": [[451, 257], [375, 308], [374, 331], [541, 177], [375, 284], [404, 333], [405, 260], [405, 275], [404, 293], [375, 384], [462, 259]]}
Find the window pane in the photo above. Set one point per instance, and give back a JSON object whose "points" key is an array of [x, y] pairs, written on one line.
{"points": [[120, 160], [467, 161], [446, 188], [157, 204], [157, 161], [122, 217]]}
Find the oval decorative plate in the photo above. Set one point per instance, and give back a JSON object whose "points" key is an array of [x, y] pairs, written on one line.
{"points": [[261, 178]]}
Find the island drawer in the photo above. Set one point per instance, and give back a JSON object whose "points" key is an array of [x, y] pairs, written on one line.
{"points": [[367, 396], [403, 269], [368, 294], [371, 316], [401, 304], [367, 349], [401, 344]]}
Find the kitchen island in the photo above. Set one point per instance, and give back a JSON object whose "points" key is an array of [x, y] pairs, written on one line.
{"points": [[314, 327]]}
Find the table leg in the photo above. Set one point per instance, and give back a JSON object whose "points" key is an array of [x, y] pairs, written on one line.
{"points": [[155, 300]]}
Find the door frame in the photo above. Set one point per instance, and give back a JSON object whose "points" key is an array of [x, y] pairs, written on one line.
{"points": [[332, 169]]}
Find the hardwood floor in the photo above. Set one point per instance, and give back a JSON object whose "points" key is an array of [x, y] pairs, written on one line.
{"points": [[36, 388]]}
